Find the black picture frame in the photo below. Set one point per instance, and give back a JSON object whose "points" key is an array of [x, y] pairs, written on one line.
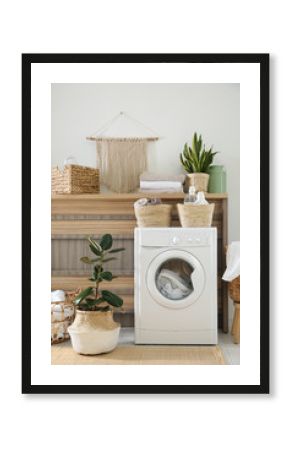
{"points": [[27, 61]]}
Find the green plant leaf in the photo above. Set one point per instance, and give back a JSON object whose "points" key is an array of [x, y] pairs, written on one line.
{"points": [[108, 259], [105, 308], [106, 242], [87, 260], [209, 159], [202, 160], [95, 247], [95, 250], [116, 250], [108, 276], [196, 144], [183, 163], [83, 294], [195, 160], [186, 151], [112, 299], [93, 302], [95, 275], [97, 260], [84, 307], [199, 145]]}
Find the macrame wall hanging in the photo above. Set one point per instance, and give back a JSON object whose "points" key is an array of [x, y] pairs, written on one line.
{"points": [[122, 152]]}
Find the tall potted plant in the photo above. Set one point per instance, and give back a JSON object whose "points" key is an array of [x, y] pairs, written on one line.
{"points": [[196, 161], [94, 330]]}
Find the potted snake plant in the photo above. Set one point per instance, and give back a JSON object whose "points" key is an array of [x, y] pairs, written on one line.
{"points": [[94, 330], [196, 161]]}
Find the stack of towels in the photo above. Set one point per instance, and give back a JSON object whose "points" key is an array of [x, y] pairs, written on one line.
{"points": [[161, 183]]}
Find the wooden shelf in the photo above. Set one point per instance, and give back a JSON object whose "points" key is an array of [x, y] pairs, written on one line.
{"points": [[110, 204], [131, 196], [124, 228]]}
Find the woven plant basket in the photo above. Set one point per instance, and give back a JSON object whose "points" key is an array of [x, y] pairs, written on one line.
{"points": [[153, 215], [62, 316], [199, 180], [234, 290], [75, 179], [195, 215]]}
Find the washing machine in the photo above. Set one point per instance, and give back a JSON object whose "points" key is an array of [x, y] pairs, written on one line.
{"points": [[175, 285]]}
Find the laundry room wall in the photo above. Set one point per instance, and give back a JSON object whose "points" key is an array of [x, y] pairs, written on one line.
{"points": [[174, 111]]}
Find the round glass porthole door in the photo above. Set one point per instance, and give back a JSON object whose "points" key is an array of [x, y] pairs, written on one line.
{"points": [[175, 279]]}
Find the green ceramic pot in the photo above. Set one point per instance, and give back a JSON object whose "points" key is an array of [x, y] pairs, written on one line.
{"points": [[217, 179]]}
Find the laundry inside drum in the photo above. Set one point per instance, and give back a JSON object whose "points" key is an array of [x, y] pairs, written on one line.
{"points": [[173, 279]]}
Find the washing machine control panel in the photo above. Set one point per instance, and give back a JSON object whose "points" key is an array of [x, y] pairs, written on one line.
{"points": [[175, 237], [190, 240], [197, 240]]}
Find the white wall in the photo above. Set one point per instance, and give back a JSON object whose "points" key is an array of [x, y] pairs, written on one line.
{"points": [[175, 111]]}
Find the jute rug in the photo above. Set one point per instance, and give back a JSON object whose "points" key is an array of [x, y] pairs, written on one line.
{"points": [[63, 354]]}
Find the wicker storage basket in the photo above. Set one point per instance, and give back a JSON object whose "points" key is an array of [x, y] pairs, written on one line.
{"points": [[75, 179], [153, 215], [195, 215], [62, 316], [234, 290]]}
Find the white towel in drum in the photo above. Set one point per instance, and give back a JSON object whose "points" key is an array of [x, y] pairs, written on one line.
{"points": [[172, 285], [233, 262]]}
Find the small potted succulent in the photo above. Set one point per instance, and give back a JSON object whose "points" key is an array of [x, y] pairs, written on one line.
{"points": [[94, 330], [196, 161]]}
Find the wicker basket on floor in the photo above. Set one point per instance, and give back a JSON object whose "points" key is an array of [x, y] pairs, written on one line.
{"points": [[234, 290], [195, 215], [75, 179], [62, 316], [234, 293], [153, 215]]}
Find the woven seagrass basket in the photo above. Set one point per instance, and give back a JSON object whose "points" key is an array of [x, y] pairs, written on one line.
{"points": [[62, 316], [195, 215], [234, 289], [75, 179], [153, 215]]}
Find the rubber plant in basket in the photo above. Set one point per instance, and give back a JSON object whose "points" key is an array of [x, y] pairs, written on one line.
{"points": [[94, 330], [196, 161]]}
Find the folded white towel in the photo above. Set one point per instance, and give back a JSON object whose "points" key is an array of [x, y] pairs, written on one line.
{"points": [[147, 176], [160, 184], [156, 191], [233, 262], [172, 285]]}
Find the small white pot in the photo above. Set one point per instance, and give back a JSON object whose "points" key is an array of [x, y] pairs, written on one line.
{"points": [[94, 332]]}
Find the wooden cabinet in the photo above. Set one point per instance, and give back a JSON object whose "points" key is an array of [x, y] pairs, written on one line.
{"points": [[76, 216]]}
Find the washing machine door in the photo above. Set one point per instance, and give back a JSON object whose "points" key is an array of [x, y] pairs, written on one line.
{"points": [[175, 279]]}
